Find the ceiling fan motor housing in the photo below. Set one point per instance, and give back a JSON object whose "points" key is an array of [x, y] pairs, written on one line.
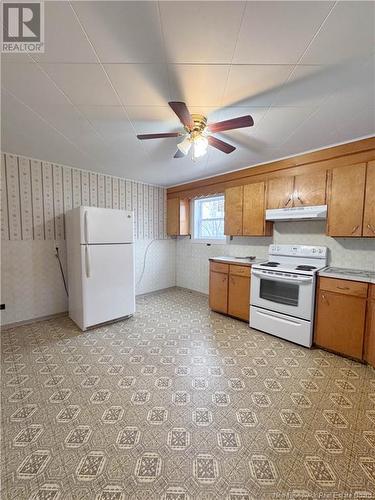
{"points": [[200, 123]]}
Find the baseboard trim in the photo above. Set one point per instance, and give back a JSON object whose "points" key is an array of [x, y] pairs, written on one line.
{"points": [[7, 326], [191, 290]]}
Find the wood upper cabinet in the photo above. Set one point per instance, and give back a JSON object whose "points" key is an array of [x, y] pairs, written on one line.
{"points": [[369, 210], [245, 211], [346, 200], [218, 291], [230, 289], [301, 190], [178, 213], [340, 317], [369, 344], [254, 222], [233, 211], [280, 192], [310, 189]]}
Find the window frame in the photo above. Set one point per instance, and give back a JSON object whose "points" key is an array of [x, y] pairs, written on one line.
{"points": [[205, 241]]}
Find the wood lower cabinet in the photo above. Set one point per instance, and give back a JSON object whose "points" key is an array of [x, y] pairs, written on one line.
{"points": [[218, 293], [230, 289], [178, 221], [340, 316], [369, 344]]}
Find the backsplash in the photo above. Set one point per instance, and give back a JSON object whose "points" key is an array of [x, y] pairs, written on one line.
{"points": [[34, 197], [192, 266]]}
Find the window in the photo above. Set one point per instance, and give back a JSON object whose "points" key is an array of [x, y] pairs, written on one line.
{"points": [[208, 218]]}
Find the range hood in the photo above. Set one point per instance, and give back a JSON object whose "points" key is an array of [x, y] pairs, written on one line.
{"points": [[318, 212]]}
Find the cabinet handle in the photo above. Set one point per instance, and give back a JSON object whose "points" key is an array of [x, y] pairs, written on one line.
{"points": [[325, 298], [288, 201], [343, 287], [371, 227], [355, 229], [300, 199]]}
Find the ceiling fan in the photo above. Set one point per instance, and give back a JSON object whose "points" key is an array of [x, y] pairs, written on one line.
{"points": [[197, 132]]}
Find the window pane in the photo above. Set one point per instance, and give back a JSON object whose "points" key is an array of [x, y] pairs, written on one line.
{"points": [[209, 218]]}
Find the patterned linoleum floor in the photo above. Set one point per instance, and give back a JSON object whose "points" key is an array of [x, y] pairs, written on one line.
{"points": [[181, 403]]}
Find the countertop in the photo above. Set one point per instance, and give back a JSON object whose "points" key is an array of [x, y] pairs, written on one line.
{"points": [[227, 259], [348, 274]]}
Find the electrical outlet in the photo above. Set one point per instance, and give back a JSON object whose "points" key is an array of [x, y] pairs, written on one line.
{"points": [[56, 244]]}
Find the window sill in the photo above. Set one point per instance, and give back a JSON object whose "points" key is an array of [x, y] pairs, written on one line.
{"points": [[210, 242]]}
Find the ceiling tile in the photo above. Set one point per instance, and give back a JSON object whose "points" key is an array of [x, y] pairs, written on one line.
{"points": [[201, 32], [255, 85], [111, 122], [23, 132], [65, 40], [278, 124], [140, 84], [307, 86], [278, 32], [198, 85], [348, 32], [32, 86], [123, 31], [83, 83]]}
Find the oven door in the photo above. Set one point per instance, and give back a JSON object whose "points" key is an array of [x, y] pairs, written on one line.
{"points": [[291, 294]]}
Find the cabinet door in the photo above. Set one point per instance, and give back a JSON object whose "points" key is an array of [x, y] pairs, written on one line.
{"points": [[345, 209], [369, 212], [369, 344], [173, 216], [239, 297], [254, 223], [310, 189], [178, 217], [218, 297], [340, 323], [233, 211], [280, 192]]}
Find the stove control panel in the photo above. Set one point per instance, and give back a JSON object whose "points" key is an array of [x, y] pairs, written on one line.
{"points": [[298, 251]]}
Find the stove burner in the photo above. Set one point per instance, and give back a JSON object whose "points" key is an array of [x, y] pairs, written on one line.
{"points": [[270, 264], [305, 268]]}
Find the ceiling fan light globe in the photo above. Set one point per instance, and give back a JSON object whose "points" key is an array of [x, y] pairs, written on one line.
{"points": [[185, 145], [200, 146]]}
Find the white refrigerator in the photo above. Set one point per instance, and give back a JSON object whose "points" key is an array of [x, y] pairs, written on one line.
{"points": [[100, 251]]}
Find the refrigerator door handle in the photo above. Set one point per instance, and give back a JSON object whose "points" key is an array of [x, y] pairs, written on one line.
{"points": [[87, 262], [86, 226]]}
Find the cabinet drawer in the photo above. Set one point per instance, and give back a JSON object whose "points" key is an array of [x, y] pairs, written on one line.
{"points": [[239, 270], [219, 268], [345, 287], [371, 292]]}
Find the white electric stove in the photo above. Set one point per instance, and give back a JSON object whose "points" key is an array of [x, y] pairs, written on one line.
{"points": [[282, 294]]}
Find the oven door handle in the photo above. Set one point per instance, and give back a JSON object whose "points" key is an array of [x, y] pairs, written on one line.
{"points": [[282, 278]]}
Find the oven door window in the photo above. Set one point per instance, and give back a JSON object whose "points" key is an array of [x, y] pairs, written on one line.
{"points": [[280, 292]]}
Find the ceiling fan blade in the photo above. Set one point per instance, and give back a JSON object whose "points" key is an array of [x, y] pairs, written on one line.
{"points": [[240, 122], [158, 136], [178, 154], [182, 112], [218, 144]]}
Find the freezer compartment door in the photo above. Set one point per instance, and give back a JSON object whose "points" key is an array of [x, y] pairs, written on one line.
{"points": [[286, 327], [105, 225], [108, 282]]}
